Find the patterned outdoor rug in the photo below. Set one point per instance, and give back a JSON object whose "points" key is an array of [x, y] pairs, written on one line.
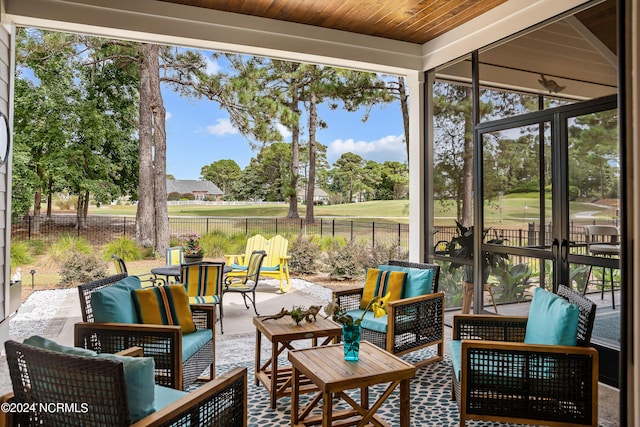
{"points": [[431, 403]]}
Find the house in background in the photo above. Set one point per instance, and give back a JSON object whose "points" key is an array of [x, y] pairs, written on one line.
{"points": [[320, 197], [202, 190]]}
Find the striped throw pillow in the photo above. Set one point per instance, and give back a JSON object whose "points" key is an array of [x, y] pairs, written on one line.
{"points": [[164, 305], [379, 282]]}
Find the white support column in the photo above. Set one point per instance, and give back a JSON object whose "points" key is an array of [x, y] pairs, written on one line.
{"points": [[417, 214]]}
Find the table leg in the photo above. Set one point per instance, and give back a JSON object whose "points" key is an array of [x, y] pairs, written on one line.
{"points": [[295, 395], [404, 403], [327, 409], [274, 374], [257, 357]]}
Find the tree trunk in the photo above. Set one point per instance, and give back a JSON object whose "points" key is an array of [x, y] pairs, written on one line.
{"points": [[37, 201], [467, 168], [49, 198], [295, 158], [311, 181], [405, 112], [160, 154], [145, 217]]}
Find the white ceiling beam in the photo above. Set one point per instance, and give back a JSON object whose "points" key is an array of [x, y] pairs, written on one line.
{"points": [[168, 23]]}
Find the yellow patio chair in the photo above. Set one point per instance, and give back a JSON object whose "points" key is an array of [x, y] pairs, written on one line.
{"points": [[240, 262], [274, 265], [175, 256], [203, 282]]}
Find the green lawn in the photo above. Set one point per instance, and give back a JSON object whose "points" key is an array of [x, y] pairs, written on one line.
{"points": [[514, 210]]}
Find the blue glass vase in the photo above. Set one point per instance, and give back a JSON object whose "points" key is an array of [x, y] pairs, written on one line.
{"points": [[351, 340]]}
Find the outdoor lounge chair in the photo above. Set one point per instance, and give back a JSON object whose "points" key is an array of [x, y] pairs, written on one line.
{"points": [[111, 390], [180, 359], [414, 322], [499, 376]]}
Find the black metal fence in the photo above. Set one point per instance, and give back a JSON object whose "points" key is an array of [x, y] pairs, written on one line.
{"points": [[100, 229]]}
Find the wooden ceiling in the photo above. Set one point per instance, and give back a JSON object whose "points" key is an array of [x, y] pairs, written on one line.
{"points": [[414, 21]]}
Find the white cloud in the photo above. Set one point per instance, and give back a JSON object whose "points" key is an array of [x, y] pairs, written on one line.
{"points": [[284, 131], [168, 115], [222, 127], [212, 67], [390, 148]]}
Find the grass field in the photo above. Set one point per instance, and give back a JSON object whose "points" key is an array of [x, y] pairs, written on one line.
{"points": [[514, 210]]}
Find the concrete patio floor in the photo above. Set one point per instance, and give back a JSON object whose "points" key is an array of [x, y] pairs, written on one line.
{"points": [[237, 344]]}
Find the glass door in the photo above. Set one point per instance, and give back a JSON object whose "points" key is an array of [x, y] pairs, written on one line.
{"points": [[547, 198]]}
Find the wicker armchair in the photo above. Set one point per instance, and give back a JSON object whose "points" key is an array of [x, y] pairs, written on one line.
{"points": [[163, 343], [95, 391], [503, 379], [412, 323]]}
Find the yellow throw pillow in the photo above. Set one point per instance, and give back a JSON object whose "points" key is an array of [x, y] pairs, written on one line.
{"points": [[379, 283], [164, 305]]}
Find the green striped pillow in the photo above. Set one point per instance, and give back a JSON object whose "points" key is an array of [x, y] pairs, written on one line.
{"points": [[164, 305]]}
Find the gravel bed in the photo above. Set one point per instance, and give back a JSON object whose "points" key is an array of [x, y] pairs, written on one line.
{"points": [[37, 311]]}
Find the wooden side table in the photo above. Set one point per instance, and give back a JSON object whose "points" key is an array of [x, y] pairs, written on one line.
{"points": [[326, 368], [282, 333]]}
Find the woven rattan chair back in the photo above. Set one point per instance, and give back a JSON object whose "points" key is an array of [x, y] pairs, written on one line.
{"points": [[587, 313], [40, 377], [85, 290]]}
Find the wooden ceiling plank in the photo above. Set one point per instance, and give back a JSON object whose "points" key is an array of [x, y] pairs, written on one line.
{"points": [[454, 17]]}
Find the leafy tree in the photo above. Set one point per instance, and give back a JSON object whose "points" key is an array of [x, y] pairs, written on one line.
{"points": [[222, 173], [346, 174]]}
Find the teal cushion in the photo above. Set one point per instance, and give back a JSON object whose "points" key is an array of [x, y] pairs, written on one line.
{"points": [[552, 320], [419, 281], [140, 378], [370, 321], [114, 303], [138, 371], [455, 348], [166, 396], [46, 344], [194, 341], [238, 267], [272, 268]]}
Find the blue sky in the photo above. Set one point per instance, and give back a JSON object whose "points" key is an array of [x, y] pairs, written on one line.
{"points": [[199, 133]]}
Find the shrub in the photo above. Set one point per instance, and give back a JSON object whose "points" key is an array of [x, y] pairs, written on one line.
{"points": [[19, 254], [38, 247], [173, 196], [67, 203], [81, 268], [381, 253], [124, 247], [305, 255], [215, 244], [331, 243], [187, 196], [61, 249], [345, 262]]}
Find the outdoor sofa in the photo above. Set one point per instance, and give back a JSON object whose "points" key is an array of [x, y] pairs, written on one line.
{"points": [[180, 358]]}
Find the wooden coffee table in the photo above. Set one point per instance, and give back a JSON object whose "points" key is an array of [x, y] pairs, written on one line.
{"points": [[326, 368], [282, 333]]}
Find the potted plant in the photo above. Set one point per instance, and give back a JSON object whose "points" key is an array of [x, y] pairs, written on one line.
{"points": [[461, 247], [192, 248]]}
